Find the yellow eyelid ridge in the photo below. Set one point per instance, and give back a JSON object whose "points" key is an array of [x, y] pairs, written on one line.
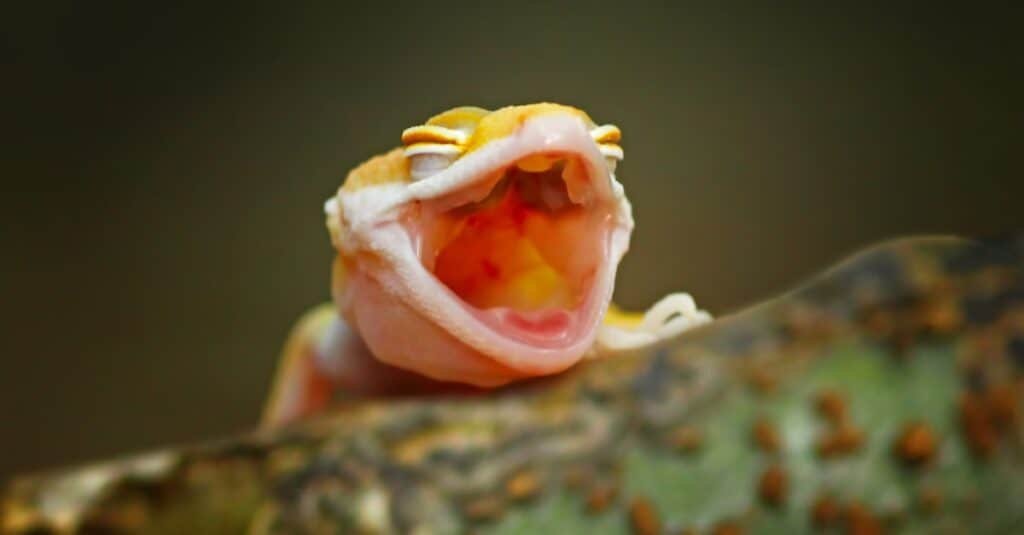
{"points": [[608, 133], [433, 134]]}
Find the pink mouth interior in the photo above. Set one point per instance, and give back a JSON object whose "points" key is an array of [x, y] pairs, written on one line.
{"points": [[522, 248]]}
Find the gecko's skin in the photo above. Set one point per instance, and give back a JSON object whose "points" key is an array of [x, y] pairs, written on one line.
{"points": [[481, 252]]}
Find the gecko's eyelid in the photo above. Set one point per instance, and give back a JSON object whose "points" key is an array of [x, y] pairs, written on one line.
{"points": [[607, 133], [431, 148], [426, 159], [609, 150], [429, 133], [607, 137]]}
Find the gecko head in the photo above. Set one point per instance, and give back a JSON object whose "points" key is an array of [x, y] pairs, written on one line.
{"points": [[485, 249]]}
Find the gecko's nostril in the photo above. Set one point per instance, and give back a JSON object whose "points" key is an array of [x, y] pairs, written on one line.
{"points": [[544, 189]]}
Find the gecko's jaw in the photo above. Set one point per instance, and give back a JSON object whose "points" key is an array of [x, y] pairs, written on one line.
{"points": [[522, 247]]}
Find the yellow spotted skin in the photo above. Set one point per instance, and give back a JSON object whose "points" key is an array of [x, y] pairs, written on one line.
{"points": [[505, 121], [460, 118], [480, 125], [379, 170]]}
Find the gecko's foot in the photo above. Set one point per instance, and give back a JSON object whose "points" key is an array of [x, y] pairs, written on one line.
{"points": [[673, 314], [300, 386], [324, 361]]}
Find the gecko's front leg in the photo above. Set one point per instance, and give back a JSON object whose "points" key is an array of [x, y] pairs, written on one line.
{"points": [[625, 331], [323, 357]]}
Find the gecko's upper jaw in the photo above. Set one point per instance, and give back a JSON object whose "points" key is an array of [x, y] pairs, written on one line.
{"points": [[522, 247]]}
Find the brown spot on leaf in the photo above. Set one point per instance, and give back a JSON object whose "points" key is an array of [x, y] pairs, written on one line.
{"points": [[763, 380], [860, 521], [916, 444], [484, 508], [842, 440], [685, 438], [643, 517], [825, 511], [879, 321], [941, 316], [807, 322], [979, 431], [985, 415], [1004, 405], [766, 437], [522, 486], [831, 406], [773, 486], [600, 497]]}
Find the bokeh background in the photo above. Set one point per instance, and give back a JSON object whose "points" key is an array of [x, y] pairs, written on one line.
{"points": [[163, 187]]}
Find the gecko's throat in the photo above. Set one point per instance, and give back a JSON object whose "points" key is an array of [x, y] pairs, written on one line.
{"points": [[522, 247]]}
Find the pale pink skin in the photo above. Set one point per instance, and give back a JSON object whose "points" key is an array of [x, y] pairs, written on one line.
{"points": [[409, 320]]}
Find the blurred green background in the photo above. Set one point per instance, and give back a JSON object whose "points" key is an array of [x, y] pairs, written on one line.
{"points": [[162, 222]]}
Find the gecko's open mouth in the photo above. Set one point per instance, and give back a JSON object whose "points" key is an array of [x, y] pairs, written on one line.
{"points": [[522, 247]]}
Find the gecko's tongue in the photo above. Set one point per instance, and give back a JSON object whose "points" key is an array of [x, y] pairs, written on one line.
{"points": [[524, 257]]}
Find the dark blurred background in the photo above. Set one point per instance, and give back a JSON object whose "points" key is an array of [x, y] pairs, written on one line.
{"points": [[162, 222]]}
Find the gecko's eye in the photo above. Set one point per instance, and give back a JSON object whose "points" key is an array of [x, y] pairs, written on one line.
{"points": [[427, 159], [607, 138], [430, 149]]}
